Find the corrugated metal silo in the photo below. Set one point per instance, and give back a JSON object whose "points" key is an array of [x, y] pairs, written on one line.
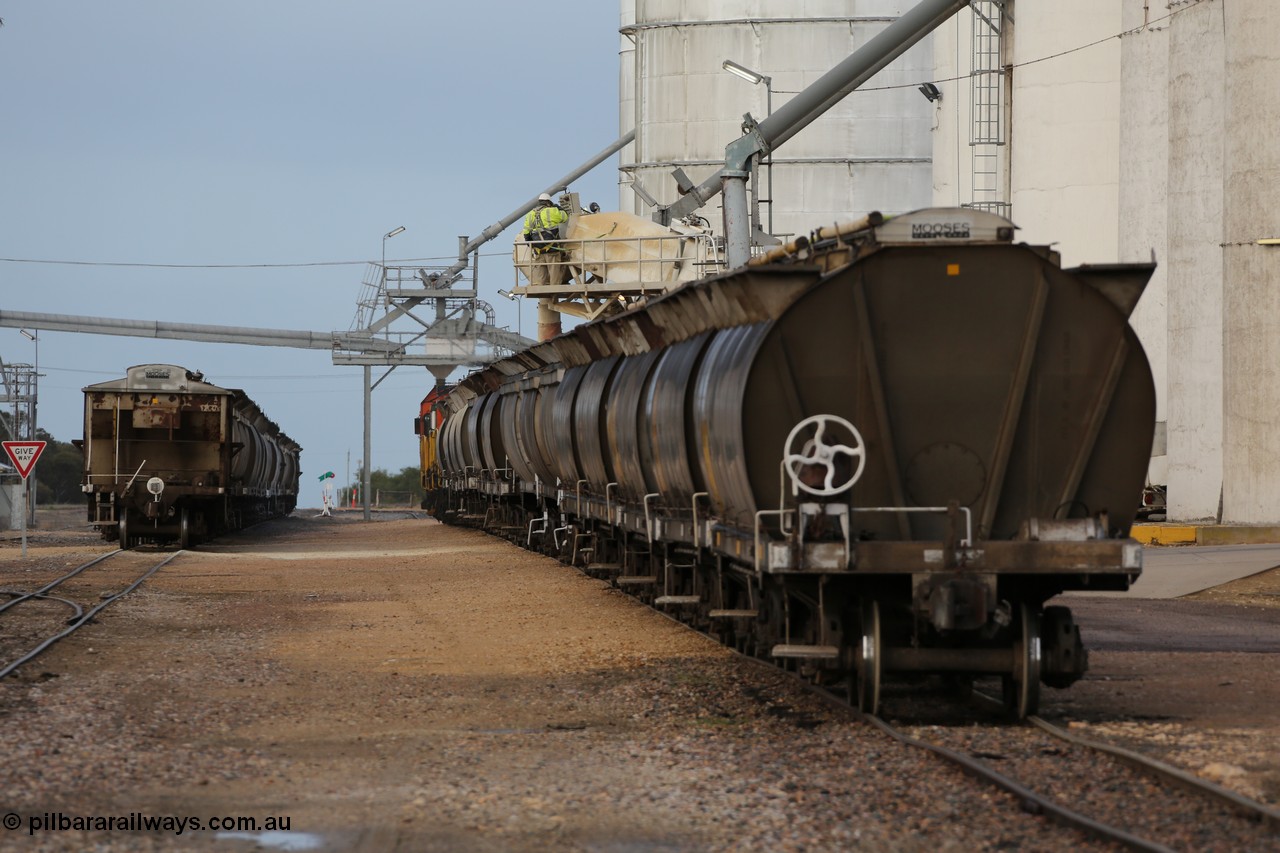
{"points": [[871, 152]]}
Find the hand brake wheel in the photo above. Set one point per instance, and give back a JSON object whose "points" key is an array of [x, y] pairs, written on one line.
{"points": [[803, 452]]}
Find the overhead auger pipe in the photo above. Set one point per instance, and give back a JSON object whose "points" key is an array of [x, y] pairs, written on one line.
{"points": [[797, 114]]}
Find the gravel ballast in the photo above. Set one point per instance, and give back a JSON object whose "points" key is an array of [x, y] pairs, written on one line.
{"points": [[407, 686]]}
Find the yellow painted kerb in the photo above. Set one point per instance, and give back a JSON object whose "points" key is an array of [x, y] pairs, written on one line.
{"points": [[1164, 534]]}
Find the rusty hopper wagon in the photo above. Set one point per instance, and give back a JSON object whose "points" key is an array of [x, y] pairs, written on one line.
{"points": [[880, 451], [172, 458]]}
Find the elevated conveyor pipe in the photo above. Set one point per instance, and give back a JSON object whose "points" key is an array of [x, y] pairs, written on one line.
{"points": [[514, 216], [797, 114], [296, 338], [465, 250]]}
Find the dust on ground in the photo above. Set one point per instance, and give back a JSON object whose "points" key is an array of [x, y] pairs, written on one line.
{"points": [[404, 685]]}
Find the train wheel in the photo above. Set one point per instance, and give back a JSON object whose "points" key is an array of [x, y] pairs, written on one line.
{"points": [[869, 658], [123, 526], [1022, 687], [184, 529]]}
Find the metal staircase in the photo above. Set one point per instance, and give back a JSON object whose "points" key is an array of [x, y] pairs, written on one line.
{"points": [[452, 327]]}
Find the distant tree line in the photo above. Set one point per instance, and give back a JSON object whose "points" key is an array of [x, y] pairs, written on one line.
{"points": [[405, 485]]}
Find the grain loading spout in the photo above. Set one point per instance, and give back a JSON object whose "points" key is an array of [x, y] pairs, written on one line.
{"points": [[613, 260], [610, 260], [762, 137]]}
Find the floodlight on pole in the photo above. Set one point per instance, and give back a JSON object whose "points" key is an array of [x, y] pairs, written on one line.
{"points": [[385, 237], [755, 78], [365, 474]]}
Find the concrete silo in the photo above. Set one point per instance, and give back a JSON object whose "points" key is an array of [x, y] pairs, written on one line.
{"points": [[870, 152]]}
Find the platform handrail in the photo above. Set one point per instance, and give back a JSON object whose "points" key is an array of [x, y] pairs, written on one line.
{"points": [[648, 518], [697, 495], [704, 255], [782, 514], [545, 519]]}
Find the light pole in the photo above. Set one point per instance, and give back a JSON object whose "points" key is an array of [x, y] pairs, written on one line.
{"points": [[755, 78], [34, 337], [365, 476], [385, 237]]}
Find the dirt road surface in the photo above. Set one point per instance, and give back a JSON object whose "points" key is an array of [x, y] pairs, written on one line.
{"points": [[407, 686]]}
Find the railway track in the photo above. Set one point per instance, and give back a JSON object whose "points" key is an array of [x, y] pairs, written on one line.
{"points": [[1113, 795], [25, 632], [1264, 815], [1078, 783]]}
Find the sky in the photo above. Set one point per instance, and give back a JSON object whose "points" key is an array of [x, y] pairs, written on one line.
{"points": [[238, 163]]}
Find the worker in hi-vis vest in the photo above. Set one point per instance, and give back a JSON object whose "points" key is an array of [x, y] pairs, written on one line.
{"points": [[541, 232]]}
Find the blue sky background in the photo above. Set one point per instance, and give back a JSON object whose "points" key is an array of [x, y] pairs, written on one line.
{"points": [[280, 132]]}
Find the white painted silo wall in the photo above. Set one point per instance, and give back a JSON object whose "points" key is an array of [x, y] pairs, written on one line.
{"points": [[1162, 138], [870, 152], [1144, 198], [1194, 258], [1199, 162], [1066, 112], [1251, 298], [1065, 124]]}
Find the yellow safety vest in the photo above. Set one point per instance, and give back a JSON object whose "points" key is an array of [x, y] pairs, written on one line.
{"points": [[541, 227], [544, 218]]}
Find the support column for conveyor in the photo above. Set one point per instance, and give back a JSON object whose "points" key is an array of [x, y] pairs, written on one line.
{"points": [[548, 320]]}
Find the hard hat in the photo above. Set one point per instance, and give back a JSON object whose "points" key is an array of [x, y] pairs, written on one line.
{"points": [[544, 197]]}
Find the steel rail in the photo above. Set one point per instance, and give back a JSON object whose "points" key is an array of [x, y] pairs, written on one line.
{"points": [[1250, 809], [42, 590], [16, 593], [1032, 802], [85, 617], [1189, 781]]}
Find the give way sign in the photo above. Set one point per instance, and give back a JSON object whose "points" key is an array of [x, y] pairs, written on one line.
{"points": [[24, 454]]}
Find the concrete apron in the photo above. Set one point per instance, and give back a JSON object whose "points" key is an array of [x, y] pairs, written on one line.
{"points": [[1170, 572]]}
